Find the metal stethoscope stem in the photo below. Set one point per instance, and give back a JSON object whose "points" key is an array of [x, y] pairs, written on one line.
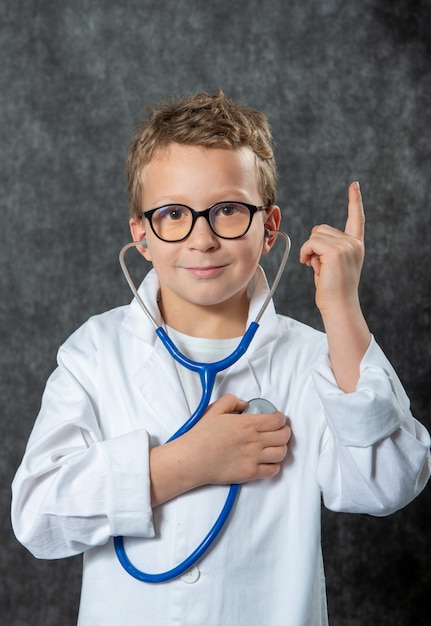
{"points": [[207, 374]]}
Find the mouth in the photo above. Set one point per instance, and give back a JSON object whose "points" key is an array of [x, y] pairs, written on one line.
{"points": [[205, 272]]}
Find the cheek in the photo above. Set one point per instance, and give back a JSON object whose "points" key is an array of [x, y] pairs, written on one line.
{"points": [[161, 259], [249, 258], [254, 247]]}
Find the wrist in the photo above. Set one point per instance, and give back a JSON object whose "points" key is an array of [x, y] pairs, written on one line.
{"points": [[172, 471], [348, 338], [338, 308]]}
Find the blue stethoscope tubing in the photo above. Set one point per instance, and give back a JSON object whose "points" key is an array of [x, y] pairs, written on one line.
{"points": [[207, 374]]}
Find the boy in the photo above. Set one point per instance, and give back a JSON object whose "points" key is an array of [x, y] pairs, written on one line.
{"points": [[97, 466]]}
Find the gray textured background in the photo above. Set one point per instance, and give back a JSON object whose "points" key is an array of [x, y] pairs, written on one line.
{"points": [[347, 88]]}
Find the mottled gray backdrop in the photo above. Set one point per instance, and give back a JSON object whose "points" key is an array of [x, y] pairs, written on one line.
{"points": [[347, 88]]}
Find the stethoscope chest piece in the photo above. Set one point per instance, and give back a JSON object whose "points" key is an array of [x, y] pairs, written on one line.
{"points": [[259, 405]]}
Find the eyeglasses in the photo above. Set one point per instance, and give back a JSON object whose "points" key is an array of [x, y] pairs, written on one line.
{"points": [[175, 222]]}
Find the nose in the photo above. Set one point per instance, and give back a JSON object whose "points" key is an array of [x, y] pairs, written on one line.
{"points": [[202, 237]]}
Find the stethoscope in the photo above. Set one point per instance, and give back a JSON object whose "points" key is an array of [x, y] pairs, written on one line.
{"points": [[207, 374]]}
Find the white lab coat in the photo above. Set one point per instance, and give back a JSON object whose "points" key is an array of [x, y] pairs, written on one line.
{"points": [[84, 477]]}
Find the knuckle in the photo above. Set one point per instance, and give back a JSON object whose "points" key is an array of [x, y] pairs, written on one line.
{"points": [[281, 420], [274, 469], [229, 398], [279, 454], [250, 471]]}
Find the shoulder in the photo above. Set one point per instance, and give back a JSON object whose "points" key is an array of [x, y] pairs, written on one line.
{"points": [[98, 330]]}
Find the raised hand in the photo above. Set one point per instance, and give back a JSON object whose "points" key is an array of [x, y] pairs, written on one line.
{"points": [[337, 257]]}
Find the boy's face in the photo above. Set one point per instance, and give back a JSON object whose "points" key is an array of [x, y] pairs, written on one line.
{"points": [[203, 273]]}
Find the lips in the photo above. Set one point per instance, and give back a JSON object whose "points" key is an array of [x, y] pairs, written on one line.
{"points": [[205, 272]]}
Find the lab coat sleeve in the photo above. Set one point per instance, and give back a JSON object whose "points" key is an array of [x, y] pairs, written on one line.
{"points": [[375, 457], [73, 489]]}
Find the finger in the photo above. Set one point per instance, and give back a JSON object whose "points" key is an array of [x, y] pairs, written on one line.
{"points": [[267, 470], [322, 236], [307, 251], [355, 225], [274, 454], [276, 438], [227, 404], [269, 422]]}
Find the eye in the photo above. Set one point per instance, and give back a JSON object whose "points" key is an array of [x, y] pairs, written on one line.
{"points": [[173, 213], [229, 209]]}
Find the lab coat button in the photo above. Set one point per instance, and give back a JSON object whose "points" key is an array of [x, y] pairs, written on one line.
{"points": [[191, 576]]}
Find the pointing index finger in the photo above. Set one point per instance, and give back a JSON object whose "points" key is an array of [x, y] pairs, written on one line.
{"points": [[355, 225]]}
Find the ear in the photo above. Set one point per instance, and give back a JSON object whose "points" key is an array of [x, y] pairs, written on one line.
{"points": [[138, 233], [272, 222]]}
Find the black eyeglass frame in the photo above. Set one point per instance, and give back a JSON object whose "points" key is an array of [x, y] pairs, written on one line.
{"points": [[206, 214]]}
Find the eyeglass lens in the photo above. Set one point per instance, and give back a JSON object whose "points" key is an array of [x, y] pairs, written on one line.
{"points": [[227, 219]]}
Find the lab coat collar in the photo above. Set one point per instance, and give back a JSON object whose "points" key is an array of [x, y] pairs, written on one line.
{"points": [[137, 323]]}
